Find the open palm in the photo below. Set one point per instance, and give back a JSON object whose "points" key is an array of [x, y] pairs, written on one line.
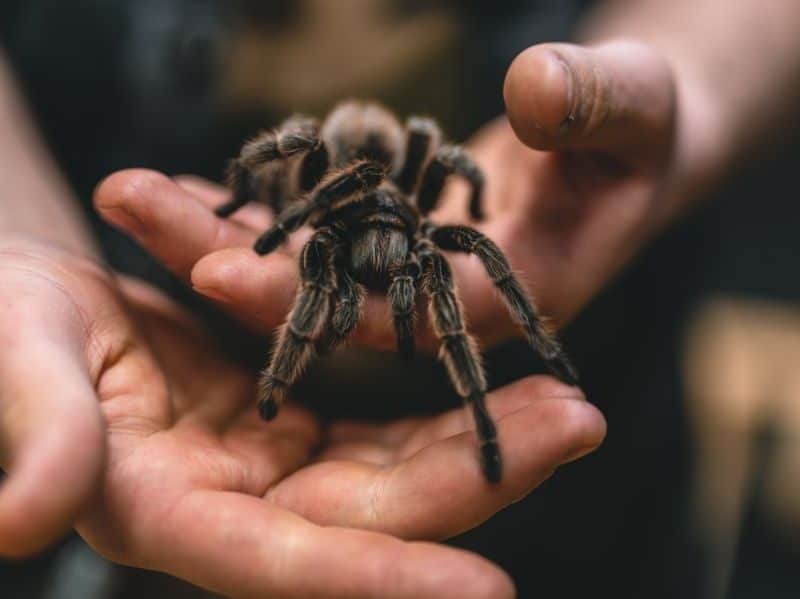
{"points": [[195, 484]]}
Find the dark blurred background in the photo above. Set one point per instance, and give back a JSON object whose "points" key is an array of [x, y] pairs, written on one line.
{"points": [[695, 492]]}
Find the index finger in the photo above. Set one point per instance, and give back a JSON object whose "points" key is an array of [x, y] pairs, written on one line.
{"points": [[167, 219]]}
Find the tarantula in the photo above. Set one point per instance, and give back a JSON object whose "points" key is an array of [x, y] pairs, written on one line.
{"points": [[366, 184]]}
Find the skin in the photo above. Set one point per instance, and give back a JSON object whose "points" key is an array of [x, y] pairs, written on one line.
{"points": [[567, 220], [193, 483], [118, 417], [601, 149], [653, 125]]}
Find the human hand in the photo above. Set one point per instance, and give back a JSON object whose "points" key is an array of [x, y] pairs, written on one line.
{"points": [[52, 442], [196, 485], [611, 158], [600, 150], [590, 164]]}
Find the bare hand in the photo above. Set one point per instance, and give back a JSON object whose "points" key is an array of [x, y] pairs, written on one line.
{"points": [[115, 408], [569, 215]]}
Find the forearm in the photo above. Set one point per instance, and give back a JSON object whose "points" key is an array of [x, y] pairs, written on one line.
{"points": [[35, 200], [737, 69]]}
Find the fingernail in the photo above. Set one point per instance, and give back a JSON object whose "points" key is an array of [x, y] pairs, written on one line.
{"points": [[578, 453], [122, 217], [212, 293], [561, 390], [566, 124]]}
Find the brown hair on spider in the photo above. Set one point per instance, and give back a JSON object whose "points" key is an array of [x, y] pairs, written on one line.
{"points": [[367, 184]]}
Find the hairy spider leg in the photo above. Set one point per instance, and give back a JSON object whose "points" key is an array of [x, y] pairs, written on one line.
{"points": [[422, 138], [450, 160], [297, 135], [459, 353], [345, 313], [271, 186], [356, 179], [295, 345], [313, 167], [403, 300], [520, 305]]}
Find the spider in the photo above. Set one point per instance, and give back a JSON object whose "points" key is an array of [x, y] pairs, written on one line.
{"points": [[366, 185]]}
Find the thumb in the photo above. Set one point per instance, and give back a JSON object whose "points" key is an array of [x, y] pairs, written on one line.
{"points": [[51, 431], [617, 97]]}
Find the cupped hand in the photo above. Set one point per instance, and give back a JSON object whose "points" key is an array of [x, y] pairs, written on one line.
{"points": [[592, 173], [115, 409]]}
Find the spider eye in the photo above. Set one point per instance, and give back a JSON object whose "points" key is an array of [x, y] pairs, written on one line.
{"points": [[371, 173]]}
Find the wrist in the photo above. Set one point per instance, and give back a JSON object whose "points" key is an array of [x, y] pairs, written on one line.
{"points": [[35, 199], [24, 237]]}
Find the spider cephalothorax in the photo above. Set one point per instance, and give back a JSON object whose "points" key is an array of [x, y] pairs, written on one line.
{"points": [[367, 184]]}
